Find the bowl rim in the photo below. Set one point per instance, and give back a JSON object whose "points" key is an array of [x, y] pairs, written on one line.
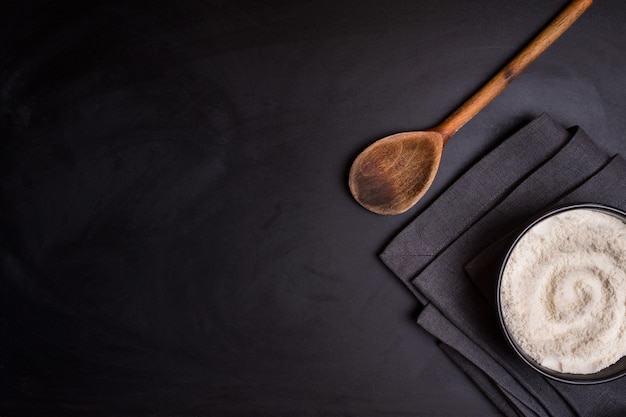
{"points": [[605, 374]]}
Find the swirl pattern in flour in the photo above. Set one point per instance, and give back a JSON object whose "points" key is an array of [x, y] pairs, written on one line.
{"points": [[563, 291]]}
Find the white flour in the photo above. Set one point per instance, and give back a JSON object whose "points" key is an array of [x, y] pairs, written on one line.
{"points": [[563, 291]]}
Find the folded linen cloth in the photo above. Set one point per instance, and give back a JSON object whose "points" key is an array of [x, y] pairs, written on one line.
{"points": [[449, 256]]}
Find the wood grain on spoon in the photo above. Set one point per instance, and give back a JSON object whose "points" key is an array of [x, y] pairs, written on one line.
{"points": [[393, 173]]}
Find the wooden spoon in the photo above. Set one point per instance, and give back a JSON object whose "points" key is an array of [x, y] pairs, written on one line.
{"points": [[393, 173]]}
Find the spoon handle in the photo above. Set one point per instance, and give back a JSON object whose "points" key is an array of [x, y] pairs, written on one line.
{"points": [[514, 68]]}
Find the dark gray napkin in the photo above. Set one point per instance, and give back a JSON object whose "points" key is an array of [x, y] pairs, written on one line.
{"points": [[447, 256]]}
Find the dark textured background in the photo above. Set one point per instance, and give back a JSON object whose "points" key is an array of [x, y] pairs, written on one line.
{"points": [[177, 233]]}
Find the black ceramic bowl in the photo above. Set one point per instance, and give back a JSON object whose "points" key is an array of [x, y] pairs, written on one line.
{"points": [[618, 369]]}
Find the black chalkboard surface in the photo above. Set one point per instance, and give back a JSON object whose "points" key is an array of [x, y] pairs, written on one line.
{"points": [[177, 234]]}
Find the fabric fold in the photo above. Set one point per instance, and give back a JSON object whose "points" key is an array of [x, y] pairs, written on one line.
{"points": [[509, 406], [436, 324]]}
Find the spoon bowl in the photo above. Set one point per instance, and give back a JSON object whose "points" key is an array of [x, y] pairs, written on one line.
{"points": [[393, 173]]}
